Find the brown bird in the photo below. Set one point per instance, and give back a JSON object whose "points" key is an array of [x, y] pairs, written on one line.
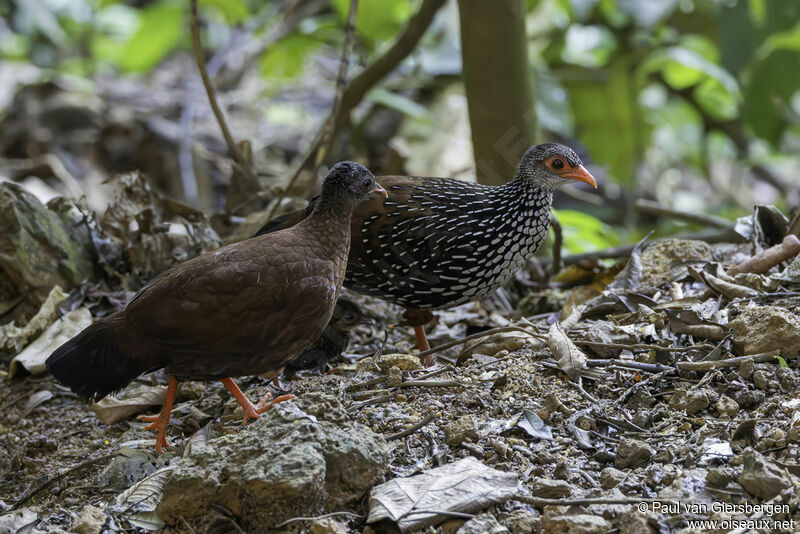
{"points": [[243, 309], [435, 243]]}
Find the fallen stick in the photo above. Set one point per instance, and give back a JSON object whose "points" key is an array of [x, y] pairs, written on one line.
{"points": [[730, 362], [767, 259]]}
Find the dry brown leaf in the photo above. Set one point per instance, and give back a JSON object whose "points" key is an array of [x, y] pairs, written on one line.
{"points": [[465, 486], [570, 358], [33, 357], [111, 409]]}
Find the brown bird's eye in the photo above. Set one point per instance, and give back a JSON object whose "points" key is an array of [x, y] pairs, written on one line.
{"points": [[557, 164], [367, 184], [349, 317]]}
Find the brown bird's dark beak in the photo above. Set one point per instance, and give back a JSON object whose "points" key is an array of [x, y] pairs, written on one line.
{"points": [[381, 191], [582, 175]]}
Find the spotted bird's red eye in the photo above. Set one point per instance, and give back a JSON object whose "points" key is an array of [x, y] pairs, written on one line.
{"points": [[557, 164]]}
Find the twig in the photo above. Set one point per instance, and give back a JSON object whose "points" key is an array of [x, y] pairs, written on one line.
{"points": [[413, 428], [558, 242], [763, 262], [731, 362], [369, 77], [639, 366], [322, 144], [432, 384], [648, 206], [643, 346], [212, 95], [86, 463], [542, 502], [498, 330], [332, 514]]}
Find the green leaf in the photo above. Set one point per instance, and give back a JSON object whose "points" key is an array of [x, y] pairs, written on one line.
{"points": [[788, 40], [234, 11], [770, 86], [607, 117], [781, 361], [161, 27], [683, 68], [588, 46], [285, 59], [377, 19], [584, 233]]}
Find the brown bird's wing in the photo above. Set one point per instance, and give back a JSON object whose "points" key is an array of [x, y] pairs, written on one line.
{"points": [[243, 309]]}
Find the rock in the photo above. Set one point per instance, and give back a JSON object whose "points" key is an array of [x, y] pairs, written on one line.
{"points": [[328, 525], [460, 430], [482, 524], [610, 477], [574, 524], [635, 522], [746, 369], [40, 249], [126, 469], [760, 477], [633, 453], [787, 378], [719, 477], [404, 362], [691, 401], [90, 520], [300, 458], [394, 377], [762, 380], [520, 522], [748, 398], [660, 258], [766, 328], [550, 488], [726, 406]]}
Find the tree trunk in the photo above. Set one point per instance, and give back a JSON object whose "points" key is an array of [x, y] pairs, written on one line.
{"points": [[498, 83]]}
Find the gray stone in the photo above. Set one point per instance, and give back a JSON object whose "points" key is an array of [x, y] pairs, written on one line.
{"points": [[633, 453], [634, 522], [766, 328], [482, 524], [550, 488], [760, 477], [520, 522], [662, 260], [726, 406], [610, 477], [787, 378], [460, 430], [300, 458], [574, 524], [691, 401]]}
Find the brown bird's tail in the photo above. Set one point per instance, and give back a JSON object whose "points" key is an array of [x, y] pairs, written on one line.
{"points": [[92, 364], [287, 220]]}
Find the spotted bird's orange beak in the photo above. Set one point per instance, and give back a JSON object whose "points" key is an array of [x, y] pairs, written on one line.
{"points": [[582, 175]]}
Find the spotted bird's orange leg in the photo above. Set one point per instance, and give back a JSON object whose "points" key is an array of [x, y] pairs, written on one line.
{"points": [[252, 411], [160, 422], [418, 319]]}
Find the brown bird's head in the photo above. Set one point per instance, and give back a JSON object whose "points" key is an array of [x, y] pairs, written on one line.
{"points": [[348, 184], [550, 165]]}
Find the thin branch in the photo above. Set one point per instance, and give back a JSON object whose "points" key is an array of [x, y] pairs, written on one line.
{"points": [[654, 208], [375, 72], [558, 242], [730, 362], [479, 335], [322, 144], [541, 502], [212, 95], [332, 514], [413, 428]]}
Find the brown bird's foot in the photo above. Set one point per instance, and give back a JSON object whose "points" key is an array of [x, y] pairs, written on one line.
{"points": [[252, 411], [160, 422]]}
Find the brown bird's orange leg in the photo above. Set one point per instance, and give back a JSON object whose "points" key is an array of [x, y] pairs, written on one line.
{"points": [[160, 422], [252, 411]]}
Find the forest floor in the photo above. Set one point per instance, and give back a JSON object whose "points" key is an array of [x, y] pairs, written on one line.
{"points": [[666, 384]]}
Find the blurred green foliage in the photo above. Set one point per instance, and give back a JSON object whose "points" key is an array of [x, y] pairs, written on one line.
{"points": [[671, 87]]}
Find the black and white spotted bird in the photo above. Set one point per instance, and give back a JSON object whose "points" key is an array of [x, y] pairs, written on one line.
{"points": [[435, 243]]}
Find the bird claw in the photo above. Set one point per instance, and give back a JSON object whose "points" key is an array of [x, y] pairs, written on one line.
{"points": [[254, 411], [159, 424]]}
